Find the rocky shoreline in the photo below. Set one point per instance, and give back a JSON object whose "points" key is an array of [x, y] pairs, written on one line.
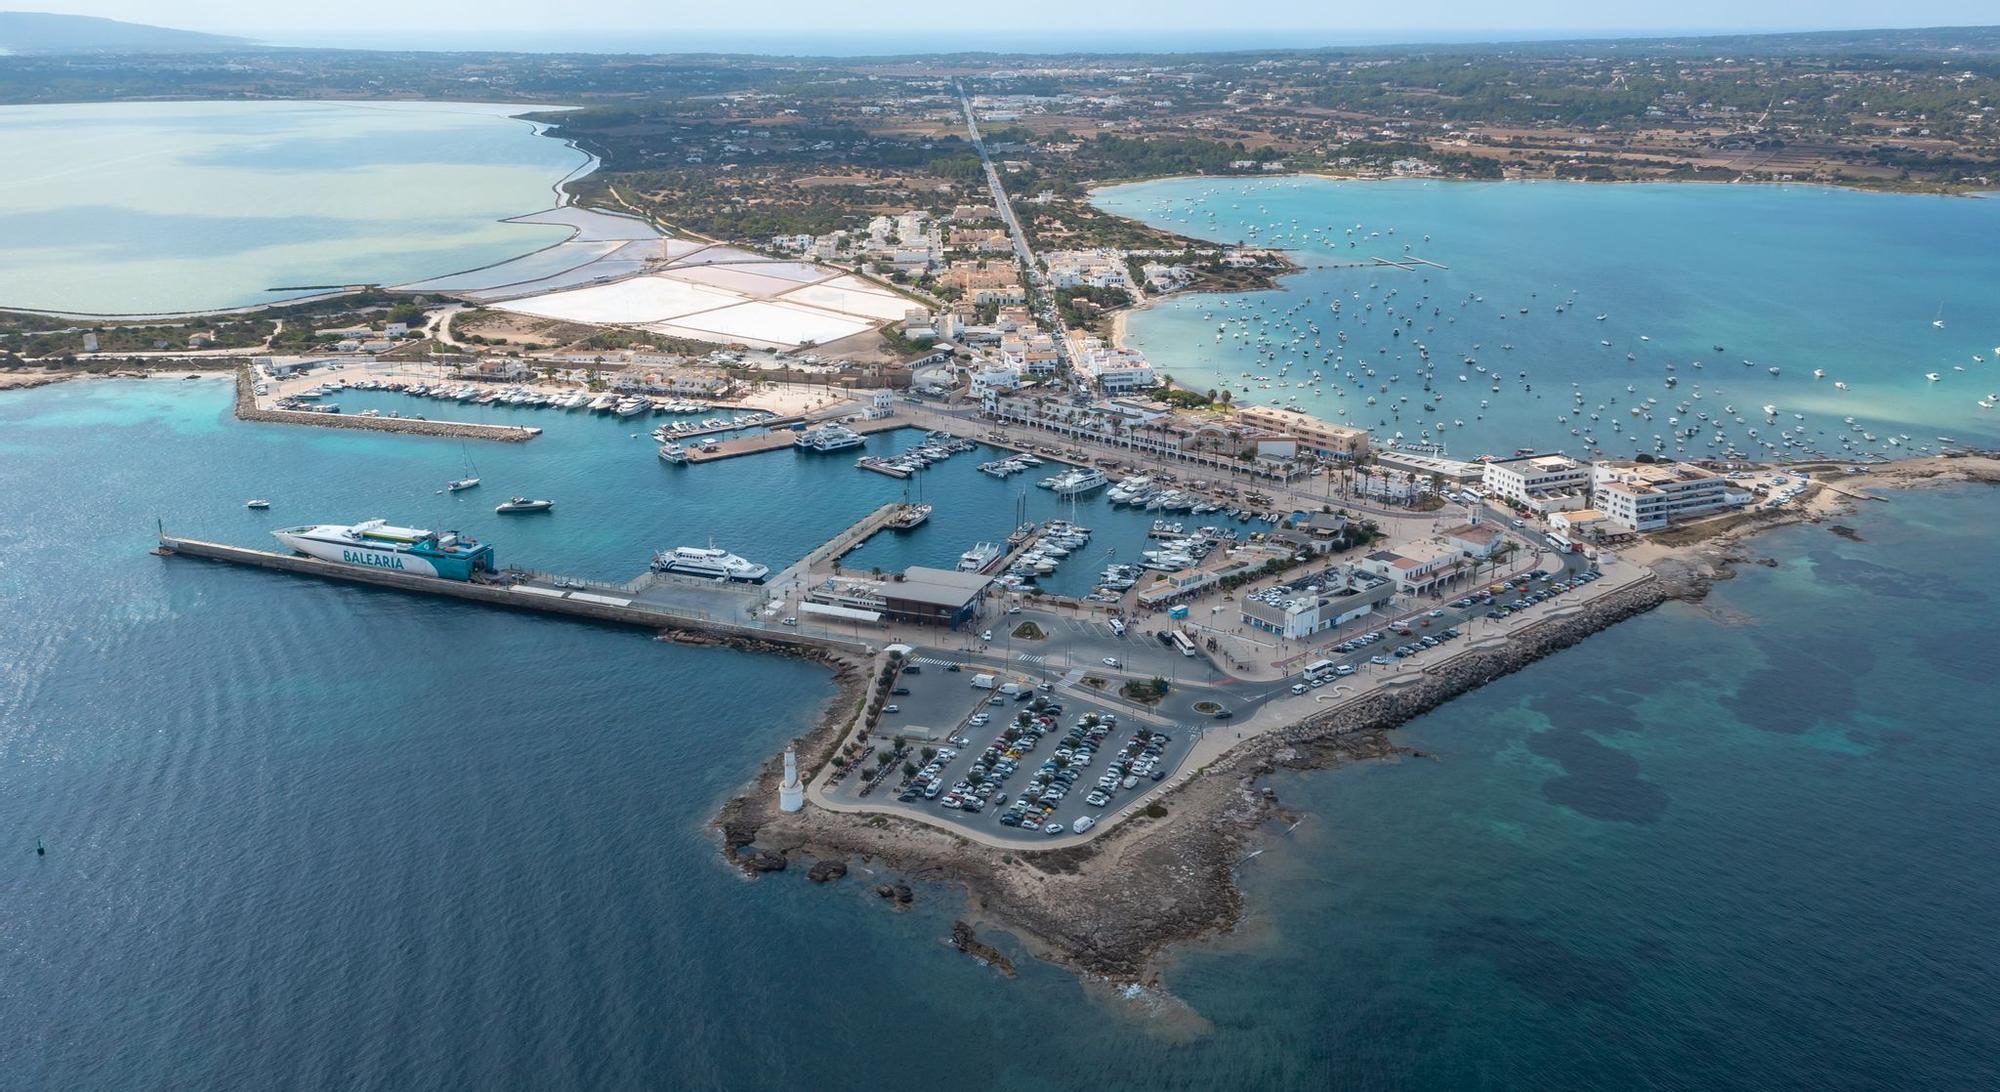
{"points": [[1111, 908], [247, 409]]}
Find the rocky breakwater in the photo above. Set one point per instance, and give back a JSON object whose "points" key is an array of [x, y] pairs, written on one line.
{"points": [[247, 409]]}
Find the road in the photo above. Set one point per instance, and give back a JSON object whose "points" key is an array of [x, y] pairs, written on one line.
{"points": [[1024, 253]]}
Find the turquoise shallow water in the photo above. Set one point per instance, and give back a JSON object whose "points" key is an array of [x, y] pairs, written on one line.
{"points": [[1791, 277], [129, 208], [309, 836]]}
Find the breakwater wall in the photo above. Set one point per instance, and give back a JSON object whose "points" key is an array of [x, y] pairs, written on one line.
{"points": [[588, 606], [247, 409], [1476, 666]]}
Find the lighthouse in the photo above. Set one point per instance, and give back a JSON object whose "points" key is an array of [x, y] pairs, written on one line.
{"points": [[791, 794]]}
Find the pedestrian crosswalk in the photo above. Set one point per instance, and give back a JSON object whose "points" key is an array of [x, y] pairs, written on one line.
{"points": [[1031, 658], [931, 661]]}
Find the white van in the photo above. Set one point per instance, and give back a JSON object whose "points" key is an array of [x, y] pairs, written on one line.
{"points": [[1118, 627]]}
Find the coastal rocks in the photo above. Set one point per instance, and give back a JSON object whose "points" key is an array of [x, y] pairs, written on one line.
{"points": [[1846, 532], [898, 893], [967, 941], [826, 871], [763, 861]]}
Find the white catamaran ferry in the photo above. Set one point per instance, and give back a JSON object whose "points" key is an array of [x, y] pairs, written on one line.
{"points": [[710, 563], [377, 545]]}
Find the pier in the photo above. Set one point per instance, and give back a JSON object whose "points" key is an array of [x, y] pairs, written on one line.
{"points": [[710, 430], [247, 409], [772, 441], [597, 603]]}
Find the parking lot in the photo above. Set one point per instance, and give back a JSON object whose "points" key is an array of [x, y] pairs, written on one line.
{"points": [[1372, 643], [1022, 760]]}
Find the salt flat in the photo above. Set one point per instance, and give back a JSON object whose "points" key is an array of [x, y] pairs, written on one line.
{"points": [[638, 300], [853, 296], [775, 323]]}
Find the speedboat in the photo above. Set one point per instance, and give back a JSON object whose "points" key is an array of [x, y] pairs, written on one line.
{"points": [[258, 504], [523, 504]]}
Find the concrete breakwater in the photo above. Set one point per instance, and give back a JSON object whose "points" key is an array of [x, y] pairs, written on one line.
{"points": [[247, 409], [586, 605]]}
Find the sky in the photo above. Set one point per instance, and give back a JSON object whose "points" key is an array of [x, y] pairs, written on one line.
{"points": [[929, 26]]}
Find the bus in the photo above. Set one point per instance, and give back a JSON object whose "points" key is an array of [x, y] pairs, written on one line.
{"points": [[1181, 641], [1319, 669]]}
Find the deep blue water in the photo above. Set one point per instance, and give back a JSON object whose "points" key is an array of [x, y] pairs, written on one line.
{"points": [[310, 836]]}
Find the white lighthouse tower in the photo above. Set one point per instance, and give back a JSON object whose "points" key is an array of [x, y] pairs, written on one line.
{"points": [[791, 794]]}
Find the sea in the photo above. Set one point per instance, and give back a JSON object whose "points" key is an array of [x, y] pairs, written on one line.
{"points": [[1596, 319], [306, 835], [303, 835], [161, 207]]}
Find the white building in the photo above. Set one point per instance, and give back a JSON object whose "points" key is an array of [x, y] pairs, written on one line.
{"points": [[1544, 483], [1333, 598], [995, 380], [1419, 566], [1649, 496], [1116, 370]]}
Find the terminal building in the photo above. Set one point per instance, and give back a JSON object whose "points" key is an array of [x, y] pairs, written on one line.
{"points": [[1649, 496], [1333, 598], [925, 596]]}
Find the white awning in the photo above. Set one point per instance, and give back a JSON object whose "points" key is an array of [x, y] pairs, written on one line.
{"points": [[848, 613]]}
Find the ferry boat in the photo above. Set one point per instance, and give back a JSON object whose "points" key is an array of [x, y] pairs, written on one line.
{"points": [[711, 563], [378, 545], [671, 452], [828, 438]]}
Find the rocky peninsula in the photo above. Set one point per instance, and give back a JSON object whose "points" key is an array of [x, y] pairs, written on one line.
{"points": [[1110, 908]]}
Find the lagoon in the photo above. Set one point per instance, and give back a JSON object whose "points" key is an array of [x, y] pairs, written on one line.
{"points": [[148, 208]]}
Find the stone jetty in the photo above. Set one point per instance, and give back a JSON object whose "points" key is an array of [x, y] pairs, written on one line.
{"points": [[247, 409]]}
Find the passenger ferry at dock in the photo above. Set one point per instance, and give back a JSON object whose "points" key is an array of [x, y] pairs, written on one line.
{"points": [[375, 544], [710, 563]]}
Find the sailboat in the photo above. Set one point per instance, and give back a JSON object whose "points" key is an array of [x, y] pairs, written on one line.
{"points": [[471, 477]]}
